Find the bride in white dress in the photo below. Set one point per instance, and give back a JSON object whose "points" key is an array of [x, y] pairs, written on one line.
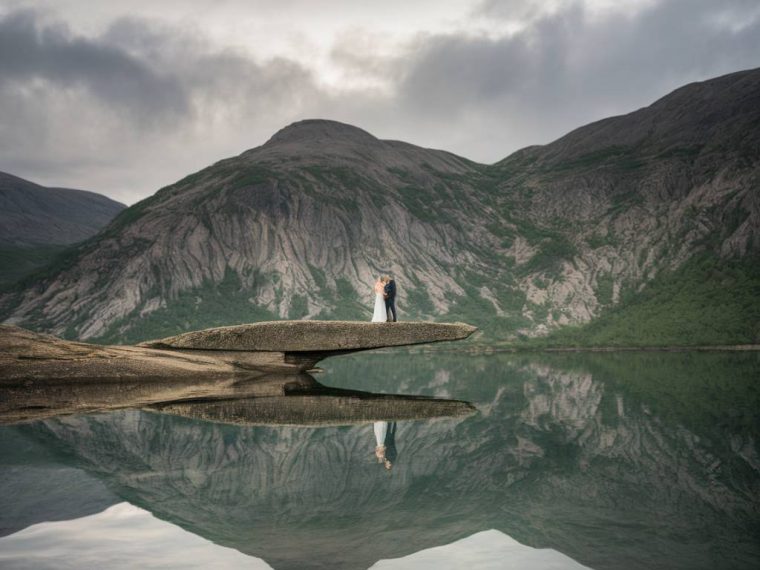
{"points": [[379, 315]]}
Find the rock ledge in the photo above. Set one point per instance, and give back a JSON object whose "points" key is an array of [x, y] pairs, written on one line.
{"points": [[280, 346], [314, 336]]}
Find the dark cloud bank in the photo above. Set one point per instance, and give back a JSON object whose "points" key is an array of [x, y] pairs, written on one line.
{"points": [[143, 104]]}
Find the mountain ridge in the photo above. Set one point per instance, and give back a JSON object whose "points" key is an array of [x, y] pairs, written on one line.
{"points": [[300, 226], [31, 214], [38, 223], [625, 130]]}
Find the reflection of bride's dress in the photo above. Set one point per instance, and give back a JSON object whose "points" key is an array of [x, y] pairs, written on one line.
{"points": [[379, 316], [381, 430]]}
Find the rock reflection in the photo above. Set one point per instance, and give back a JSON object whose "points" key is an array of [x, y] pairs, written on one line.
{"points": [[268, 399], [302, 401], [36, 399]]}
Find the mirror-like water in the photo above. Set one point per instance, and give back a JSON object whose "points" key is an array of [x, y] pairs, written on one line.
{"points": [[612, 461]]}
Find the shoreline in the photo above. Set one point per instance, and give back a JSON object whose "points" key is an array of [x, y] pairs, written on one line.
{"points": [[676, 348], [487, 349]]}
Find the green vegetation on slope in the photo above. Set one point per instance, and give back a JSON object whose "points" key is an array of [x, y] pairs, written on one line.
{"points": [[211, 305], [223, 304], [707, 301], [17, 262]]}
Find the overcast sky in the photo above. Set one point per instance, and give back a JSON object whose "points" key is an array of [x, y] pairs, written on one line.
{"points": [[125, 97]]}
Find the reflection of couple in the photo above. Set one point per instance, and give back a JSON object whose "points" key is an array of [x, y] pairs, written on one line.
{"points": [[385, 440], [385, 300]]}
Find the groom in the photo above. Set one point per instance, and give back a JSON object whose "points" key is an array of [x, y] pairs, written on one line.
{"points": [[389, 293]]}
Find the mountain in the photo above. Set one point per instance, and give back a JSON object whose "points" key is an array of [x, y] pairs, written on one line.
{"points": [[550, 236], [31, 214], [299, 227], [37, 222], [659, 213]]}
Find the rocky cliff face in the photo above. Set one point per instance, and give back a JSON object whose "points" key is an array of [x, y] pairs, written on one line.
{"points": [[620, 200], [301, 226]]}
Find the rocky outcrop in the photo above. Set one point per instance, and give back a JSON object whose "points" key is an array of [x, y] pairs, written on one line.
{"points": [[314, 336], [26, 356], [284, 346]]}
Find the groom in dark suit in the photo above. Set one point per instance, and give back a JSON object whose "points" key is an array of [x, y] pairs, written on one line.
{"points": [[389, 292]]}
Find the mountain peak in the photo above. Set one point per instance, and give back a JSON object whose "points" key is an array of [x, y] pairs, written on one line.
{"points": [[321, 130]]}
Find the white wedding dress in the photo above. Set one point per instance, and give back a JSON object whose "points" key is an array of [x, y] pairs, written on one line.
{"points": [[379, 316]]}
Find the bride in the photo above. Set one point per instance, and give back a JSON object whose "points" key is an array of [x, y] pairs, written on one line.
{"points": [[379, 316]]}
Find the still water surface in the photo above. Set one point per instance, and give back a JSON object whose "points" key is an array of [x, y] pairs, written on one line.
{"points": [[609, 461]]}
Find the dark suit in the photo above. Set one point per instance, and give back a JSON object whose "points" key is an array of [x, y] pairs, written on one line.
{"points": [[390, 299]]}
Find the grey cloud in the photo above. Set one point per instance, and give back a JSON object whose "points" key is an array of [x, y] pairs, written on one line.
{"points": [[29, 51], [567, 68], [156, 74], [214, 81], [142, 105], [518, 10], [135, 108]]}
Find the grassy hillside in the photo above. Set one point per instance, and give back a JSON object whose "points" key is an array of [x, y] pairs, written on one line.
{"points": [[17, 262], [707, 301]]}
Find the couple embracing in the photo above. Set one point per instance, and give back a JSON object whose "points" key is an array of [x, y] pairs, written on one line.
{"points": [[385, 300]]}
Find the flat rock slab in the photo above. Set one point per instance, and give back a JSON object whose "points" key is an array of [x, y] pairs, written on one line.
{"points": [[287, 346], [26, 356], [314, 336]]}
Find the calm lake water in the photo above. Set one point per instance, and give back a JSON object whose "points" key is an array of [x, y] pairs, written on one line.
{"points": [[609, 461]]}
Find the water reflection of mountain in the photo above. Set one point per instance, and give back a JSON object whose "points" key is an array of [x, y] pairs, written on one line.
{"points": [[36, 485], [556, 458]]}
